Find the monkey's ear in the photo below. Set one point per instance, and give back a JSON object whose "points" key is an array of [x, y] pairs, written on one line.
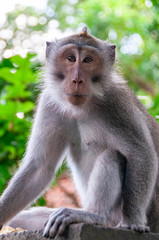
{"points": [[112, 52], [48, 48]]}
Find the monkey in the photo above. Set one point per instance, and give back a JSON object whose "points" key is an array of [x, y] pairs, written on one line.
{"points": [[87, 112]]}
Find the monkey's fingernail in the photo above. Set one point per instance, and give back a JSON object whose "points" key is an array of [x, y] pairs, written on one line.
{"points": [[46, 235], [147, 229]]}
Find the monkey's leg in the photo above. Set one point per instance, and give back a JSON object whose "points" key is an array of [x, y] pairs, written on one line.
{"points": [[103, 195], [32, 219], [138, 189]]}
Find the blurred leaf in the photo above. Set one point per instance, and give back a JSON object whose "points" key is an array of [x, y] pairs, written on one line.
{"points": [[40, 202], [18, 79], [25, 107], [7, 111]]}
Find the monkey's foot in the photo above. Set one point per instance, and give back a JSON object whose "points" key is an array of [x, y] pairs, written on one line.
{"points": [[134, 227], [59, 220]]}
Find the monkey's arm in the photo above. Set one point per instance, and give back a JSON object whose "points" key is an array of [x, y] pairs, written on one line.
{"points": [[44, 150]]}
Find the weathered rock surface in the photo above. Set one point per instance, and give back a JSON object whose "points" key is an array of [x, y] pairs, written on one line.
{"points": [[85, 232]]}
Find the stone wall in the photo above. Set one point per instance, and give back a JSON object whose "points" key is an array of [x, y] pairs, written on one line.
{"points": [[85, 232]]}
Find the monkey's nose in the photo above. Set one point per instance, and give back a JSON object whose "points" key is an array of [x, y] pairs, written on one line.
{"points": [[77, 81]]}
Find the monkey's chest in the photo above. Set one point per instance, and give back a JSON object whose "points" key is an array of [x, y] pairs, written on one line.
{"points": [[86, 147], [88, 143], [84, 152]]}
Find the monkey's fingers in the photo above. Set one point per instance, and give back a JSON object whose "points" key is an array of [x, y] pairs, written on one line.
{"points": [[47, 228], [134, 227], [65, 223], [139, 228], [50, 222], [55, 227]]}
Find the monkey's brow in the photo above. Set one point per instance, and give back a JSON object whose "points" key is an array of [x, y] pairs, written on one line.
{"points": [[80, 45]]}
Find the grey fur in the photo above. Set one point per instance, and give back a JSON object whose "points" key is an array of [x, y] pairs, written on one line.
{"points": [[111, 144]]}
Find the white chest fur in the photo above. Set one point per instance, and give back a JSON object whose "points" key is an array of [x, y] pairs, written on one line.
{"points": [[86, 146]]}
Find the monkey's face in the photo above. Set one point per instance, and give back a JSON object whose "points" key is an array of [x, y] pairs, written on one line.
{"points": [[77, 70]]}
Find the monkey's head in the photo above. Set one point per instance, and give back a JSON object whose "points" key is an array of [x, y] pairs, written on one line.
{"points": [[79, 68]]}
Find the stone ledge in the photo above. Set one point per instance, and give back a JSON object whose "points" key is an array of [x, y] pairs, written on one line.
{"points": [[85, 232]]}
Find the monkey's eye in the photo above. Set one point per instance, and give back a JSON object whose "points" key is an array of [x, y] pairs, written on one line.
{"points": [[87, 60], [71, 58]]}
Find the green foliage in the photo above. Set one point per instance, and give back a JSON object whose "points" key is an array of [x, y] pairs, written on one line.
{"points": [[40, 202], [59, 172], [18, 79]]}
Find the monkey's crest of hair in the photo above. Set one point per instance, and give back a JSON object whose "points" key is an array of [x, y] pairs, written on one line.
{"points": [[80, 39], [84, 32]]}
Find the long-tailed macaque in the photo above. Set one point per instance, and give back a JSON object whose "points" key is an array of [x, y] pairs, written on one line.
{"points": [[87, 112]]}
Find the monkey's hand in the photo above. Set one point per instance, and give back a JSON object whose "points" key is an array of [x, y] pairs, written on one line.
{"points": [[134, 227], [60, 220]]}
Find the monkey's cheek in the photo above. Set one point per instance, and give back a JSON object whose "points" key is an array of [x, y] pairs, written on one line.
{"points": [[77, 100]]}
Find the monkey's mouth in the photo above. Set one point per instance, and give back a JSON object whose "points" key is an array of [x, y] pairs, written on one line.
{"points": [[76, 98]]}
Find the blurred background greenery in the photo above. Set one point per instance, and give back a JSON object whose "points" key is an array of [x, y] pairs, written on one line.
{"points": [[132, 25]]}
